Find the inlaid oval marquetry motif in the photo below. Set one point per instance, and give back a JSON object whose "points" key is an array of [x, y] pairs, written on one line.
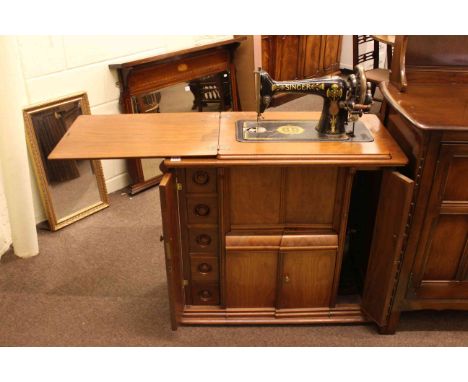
{"points": [[203, 240], [201, 210], [204, 268], [201, 177], [290, 130], [182, 67]]}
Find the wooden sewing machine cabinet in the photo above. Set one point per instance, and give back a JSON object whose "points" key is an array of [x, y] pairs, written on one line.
{"points": [[256, 233]]}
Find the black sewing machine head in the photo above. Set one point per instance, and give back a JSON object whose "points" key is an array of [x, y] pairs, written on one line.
{"points": [[344, 100]]}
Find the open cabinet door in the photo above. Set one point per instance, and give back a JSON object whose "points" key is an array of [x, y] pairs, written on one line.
{"points": [[392, 214], [168, 195]]}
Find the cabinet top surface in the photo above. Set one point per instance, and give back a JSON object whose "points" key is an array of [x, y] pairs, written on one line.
{"points": [[431, 106], [202, 136]]}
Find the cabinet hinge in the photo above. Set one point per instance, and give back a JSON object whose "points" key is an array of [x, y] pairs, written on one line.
{"points": [[179, 186], [410, 289]]}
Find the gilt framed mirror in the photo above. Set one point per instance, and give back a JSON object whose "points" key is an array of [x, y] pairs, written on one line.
{"points": [[70, 190]]}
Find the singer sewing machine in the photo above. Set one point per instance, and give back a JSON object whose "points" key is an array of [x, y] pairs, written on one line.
{"points": [[344, 101]]}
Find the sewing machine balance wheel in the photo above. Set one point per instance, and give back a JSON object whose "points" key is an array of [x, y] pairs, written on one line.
{"points": [[363, 85]]}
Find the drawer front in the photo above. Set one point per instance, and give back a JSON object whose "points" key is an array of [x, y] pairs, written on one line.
{"points": [[204, 268], [202, 210], [201, 180], [203, 240], [205, 293]]}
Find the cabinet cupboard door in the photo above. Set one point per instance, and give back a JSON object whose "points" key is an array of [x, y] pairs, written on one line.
{"points": [[306, 278], [331, 53], [311, 53], [286, 58], [251, 279], [443, 271], [168, 195], [387, 242], [268, 54]]}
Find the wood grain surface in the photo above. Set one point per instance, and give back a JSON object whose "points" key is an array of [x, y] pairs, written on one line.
{"points": [[195, 135], [140, 136]]}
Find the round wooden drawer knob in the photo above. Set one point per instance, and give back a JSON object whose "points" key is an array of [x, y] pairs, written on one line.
{"points": [[205, 295], [202, 210], [201, 177], [204, 268], [203, 240]]}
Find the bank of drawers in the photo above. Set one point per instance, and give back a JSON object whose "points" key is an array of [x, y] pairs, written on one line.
{"points": [[202, 238]]}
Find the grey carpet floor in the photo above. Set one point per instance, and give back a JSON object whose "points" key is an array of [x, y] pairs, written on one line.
{"points": [[101, 282]]}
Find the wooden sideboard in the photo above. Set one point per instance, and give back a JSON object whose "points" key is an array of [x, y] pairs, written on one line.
{"points": [[255, 233], [295, 57], [141, 81], [425, 110]]}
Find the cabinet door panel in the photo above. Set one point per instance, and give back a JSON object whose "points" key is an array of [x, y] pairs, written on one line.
{"points": [[455, 184], [387, 242], [311, 55], [170, 223], [251, 279], [442, 273], [331, 53], [287, 58], [307, 278], [448, 248], [268, 54]]}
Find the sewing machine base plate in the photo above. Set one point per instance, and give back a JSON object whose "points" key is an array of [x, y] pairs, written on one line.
{"points": [[301, 131]]}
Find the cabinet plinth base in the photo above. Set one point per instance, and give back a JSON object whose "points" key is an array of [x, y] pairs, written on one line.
{"points": [[213, 315]]}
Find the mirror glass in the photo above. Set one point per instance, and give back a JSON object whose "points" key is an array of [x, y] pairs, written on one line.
{"points": [[210, 93], [70, 189]]}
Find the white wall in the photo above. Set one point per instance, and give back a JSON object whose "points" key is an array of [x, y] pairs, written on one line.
{"points": [[14, 163], [5, 232], [55, 66]]}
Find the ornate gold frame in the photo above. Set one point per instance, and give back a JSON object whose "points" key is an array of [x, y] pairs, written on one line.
{"points": [[33, 147]]}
